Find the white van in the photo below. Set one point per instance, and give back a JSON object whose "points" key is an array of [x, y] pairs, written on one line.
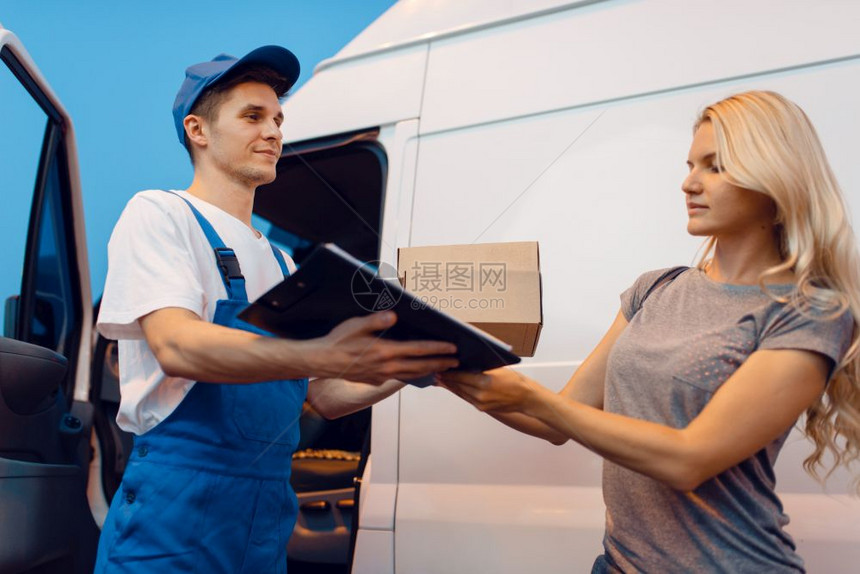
{"points": [[565, 122]]}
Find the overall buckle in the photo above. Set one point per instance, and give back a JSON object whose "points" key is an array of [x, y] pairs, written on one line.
{"points": [[228, 263]]}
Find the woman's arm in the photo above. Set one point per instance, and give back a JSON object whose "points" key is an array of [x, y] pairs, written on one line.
{"points": [[585, 386], [518, 421], [751, 409]]}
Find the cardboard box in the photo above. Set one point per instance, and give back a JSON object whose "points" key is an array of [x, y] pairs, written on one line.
{"points": [[494, 286]]}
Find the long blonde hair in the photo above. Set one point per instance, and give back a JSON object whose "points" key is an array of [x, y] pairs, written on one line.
{"points": [[767, 144]]}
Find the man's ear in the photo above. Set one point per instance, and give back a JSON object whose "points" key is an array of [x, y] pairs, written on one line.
{"points": [[194, 130]]}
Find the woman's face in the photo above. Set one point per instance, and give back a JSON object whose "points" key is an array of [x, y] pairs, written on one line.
{"points": [[714, 206]]}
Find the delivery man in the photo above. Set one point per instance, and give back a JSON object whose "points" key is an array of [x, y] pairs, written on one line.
{"points": [[213, 402]]}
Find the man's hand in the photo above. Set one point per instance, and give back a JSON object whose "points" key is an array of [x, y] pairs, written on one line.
{"points": [[354, 350]]}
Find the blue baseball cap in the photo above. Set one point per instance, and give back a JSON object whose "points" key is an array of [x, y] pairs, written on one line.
{"points": [[205, 74]]}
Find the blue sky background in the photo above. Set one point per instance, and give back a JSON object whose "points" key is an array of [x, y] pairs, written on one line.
{"points": [[116, 66]]}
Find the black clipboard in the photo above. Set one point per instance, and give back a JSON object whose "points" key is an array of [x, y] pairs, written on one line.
{"points": [[332, 286]]}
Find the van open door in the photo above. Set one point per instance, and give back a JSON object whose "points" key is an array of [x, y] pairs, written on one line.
{"points": [[45, 521]]}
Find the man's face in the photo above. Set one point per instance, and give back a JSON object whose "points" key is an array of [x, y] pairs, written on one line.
{"points": [[244, 139]]}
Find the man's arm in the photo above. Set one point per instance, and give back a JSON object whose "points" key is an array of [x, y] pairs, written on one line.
{"points": [[187, 346], [333, 398]]}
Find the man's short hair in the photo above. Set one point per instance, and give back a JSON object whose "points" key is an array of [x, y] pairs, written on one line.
{"points": [[209, 102]]}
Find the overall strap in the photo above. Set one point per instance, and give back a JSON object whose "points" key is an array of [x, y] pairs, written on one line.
{"points": [[225, 258], [280, 259]]}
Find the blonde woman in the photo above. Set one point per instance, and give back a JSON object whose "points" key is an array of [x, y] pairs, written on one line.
{"points": [[693, 390]]}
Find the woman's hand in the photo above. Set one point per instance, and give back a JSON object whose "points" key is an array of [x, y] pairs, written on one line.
{"points": [[500, 390], [503, 394]]}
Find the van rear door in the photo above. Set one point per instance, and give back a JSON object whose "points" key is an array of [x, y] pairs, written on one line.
{"points": [[45, 521]]}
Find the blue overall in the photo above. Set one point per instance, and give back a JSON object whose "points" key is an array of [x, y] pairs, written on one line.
{"points": [[207, 489]]}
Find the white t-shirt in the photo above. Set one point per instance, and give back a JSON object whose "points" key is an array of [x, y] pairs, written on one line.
{"points": [[159, 257]]}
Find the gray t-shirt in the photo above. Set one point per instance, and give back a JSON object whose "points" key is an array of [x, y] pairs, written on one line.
{"points": [[687, 338]]}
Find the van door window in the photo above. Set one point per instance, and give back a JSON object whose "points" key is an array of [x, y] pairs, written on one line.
{"points": [[51, 318], [23, 128], [40, 279]]}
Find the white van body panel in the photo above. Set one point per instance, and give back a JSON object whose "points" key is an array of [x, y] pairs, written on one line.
{"points": [[415, 21], [376, 91], [374, 552], [502, 534], [379, 493], [570, 126], [611, 50]]}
